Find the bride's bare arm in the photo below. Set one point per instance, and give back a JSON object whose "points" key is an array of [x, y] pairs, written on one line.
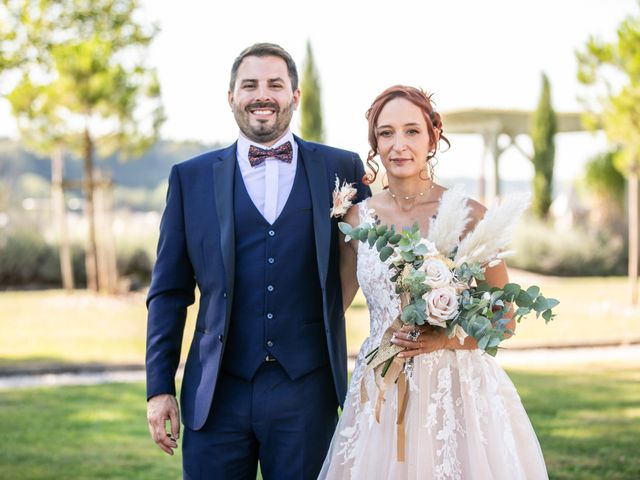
{"points": [[348, 258]]}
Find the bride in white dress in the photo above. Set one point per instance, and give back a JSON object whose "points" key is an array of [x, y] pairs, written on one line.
{"points": [[464, 419]]}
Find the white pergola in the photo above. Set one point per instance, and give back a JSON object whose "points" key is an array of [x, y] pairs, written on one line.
{"points": [[491, 123]]}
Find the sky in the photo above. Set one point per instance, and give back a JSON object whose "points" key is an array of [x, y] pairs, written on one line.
{"points": [[470, 54]]}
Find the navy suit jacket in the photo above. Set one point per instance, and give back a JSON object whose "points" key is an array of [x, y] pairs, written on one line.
{"points": [[196, 247]]}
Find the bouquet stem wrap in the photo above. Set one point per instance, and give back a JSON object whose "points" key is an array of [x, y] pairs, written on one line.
{"points": [[388, 369]]}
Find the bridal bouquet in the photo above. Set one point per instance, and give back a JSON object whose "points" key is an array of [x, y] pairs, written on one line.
{"points": [[440, 280]]}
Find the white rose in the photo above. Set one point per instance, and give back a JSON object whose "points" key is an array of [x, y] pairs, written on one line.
{"points": [[442, 305], [438, 274]]}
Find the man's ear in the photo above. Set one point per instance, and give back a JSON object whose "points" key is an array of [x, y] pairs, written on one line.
{"points": [[296, 98], [230, 98]]}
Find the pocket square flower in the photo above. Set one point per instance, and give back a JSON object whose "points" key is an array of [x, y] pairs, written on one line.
{"points": [[342, 197]]}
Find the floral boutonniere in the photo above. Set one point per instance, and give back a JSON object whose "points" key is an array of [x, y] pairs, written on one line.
{"points": [[342, 196]]}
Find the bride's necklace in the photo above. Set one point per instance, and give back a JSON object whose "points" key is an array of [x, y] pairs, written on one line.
{"points": [[398, 199], [410, 197]]}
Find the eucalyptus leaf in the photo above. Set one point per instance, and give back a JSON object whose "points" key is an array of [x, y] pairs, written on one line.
{"points": [[524, 299], [511, 289], [482, 343], [552, 302], [372, 237], [345, 227], [492, 351], [381, 242], [533, 291], [540, 304], [395, 238], [407, 256], [385, 253], [381, 230], [421, 249]]}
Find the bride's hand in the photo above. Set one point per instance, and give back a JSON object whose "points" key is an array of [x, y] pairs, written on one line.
{"points": [[427, 340]]}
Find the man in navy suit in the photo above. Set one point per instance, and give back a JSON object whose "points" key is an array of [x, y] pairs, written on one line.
{"points": [[250, 226]]}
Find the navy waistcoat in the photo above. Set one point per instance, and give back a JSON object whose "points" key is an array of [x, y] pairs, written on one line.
{"points": [[277, 305]]}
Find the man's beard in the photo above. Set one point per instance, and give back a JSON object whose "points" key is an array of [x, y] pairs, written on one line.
{"points": [[263, 132]]}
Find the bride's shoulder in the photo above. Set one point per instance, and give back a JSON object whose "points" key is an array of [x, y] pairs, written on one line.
{"points": [[378, 201]]}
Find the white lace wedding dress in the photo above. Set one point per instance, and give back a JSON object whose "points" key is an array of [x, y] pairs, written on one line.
{"points": [[464, 419]]}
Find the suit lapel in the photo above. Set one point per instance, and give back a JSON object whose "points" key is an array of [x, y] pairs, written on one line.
{"points": [[223, 180], [317, 179]]}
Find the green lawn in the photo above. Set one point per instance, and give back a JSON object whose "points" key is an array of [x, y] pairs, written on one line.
{"points": [[44, 327], [54, 327], [587, 419]]}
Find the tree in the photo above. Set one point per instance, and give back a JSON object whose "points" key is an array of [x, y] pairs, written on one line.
{"points": [[612, 70], [606, 185], [94, 84], [543, 130], [310, 105]]}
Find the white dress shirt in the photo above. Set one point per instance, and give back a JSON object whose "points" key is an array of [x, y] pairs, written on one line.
{"points": [[268, 184]]}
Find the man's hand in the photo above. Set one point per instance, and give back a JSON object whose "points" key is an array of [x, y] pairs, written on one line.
{"points": [[161, 408]]}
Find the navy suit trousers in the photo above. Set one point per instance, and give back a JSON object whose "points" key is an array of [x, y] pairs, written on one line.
{"points": [[285, 425]]}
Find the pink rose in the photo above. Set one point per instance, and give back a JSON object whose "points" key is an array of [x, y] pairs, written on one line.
{"points": [[438, 274], [442, 305]]}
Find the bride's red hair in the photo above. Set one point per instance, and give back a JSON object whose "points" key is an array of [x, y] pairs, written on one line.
{"points": [[421, 100]]}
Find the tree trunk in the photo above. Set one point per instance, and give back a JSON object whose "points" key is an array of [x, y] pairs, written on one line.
{"points": [[59, 208], [91, 251], [633, 234], [107, 269]]}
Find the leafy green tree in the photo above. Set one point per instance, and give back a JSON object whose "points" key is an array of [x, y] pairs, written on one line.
{"points": [[612, 70], [93, 86], [603, 179], [606, 186], [543, 130], [311, 127]]}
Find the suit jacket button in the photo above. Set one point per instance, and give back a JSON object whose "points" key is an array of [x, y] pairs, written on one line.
{"points": [[224, 294], [220, 337]]}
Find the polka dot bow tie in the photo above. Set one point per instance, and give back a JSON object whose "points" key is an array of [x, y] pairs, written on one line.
{"points": [[257, 155]]}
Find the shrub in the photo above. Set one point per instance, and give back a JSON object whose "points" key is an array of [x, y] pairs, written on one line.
{"points": [[576, 252], [136, 265], [20, 258], [26, 260]]}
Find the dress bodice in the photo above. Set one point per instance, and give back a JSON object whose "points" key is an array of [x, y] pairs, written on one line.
{"points": [[374, 278]]}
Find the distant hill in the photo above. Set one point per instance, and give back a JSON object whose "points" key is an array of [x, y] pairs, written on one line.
{"points": [[146, 171]]}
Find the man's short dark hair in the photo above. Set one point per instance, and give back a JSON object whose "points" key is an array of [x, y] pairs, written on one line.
{"points": [[265, 50]]}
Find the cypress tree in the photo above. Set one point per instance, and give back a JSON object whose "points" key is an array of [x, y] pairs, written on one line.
{"points": [[543, 130], [310, 105]]}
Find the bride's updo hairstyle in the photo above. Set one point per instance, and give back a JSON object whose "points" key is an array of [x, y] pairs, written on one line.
{"points": [[432, 118]]}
